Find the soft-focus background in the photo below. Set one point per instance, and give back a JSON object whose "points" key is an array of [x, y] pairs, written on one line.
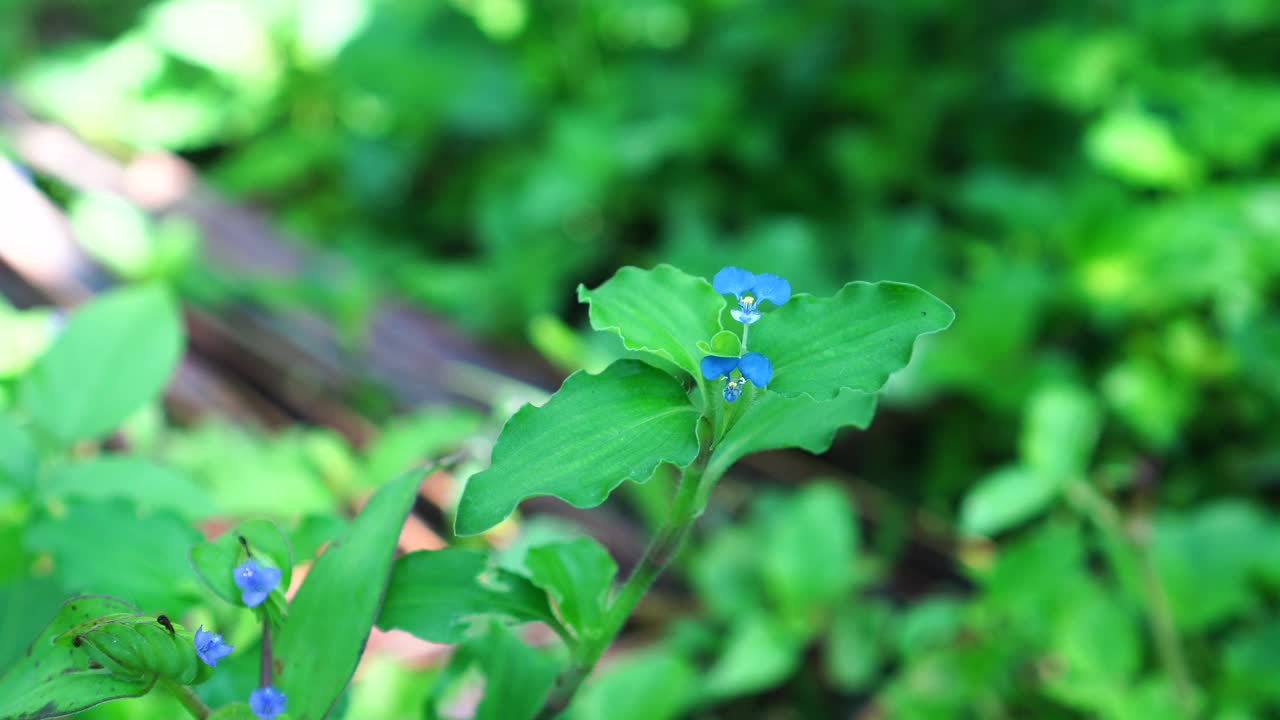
{"points": [[1066, 507]]}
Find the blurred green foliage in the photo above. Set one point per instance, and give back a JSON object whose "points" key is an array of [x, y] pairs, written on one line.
{"points": [[1091, 185]]}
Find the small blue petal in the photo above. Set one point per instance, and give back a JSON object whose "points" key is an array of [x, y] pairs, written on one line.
{"points": [[773, 288], [756, 368], [266, 702], [255, 581], [210, 648], [733, 281], [715, 366], [733, 391]]}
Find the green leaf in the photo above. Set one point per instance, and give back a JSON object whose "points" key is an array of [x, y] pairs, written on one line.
{"points": [[1060, 432], [855, 644], [18, 457], [215, 560], [661, 311], [654, 685], [141, 482], [517, 677], [114, 356], [1005, 498], [579, 575], [109, 547], [26, 603], [437, 594], [809, 548], [758, 654], [26, 334], [772, 421], [54, 680], [594, 433], [333, 611], [854, 340]]}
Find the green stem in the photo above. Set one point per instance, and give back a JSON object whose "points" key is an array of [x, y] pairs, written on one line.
{"points": [[1130, 554], [188, 698], [665, 545]]}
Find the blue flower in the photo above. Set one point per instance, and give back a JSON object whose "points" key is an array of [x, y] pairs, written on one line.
{"points": [[752, 366], [210, 648], [266, 702], [751, 289], [256, 581]]}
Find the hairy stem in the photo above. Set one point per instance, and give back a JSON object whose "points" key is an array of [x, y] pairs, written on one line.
{"points": [[187, 697], [664, 546]]}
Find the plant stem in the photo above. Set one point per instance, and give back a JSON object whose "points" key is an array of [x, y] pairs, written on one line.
{"points": [[664, 546], [188, 698], [264, 667], [1130, 554]]}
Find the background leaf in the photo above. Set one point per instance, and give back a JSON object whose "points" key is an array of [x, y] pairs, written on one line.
{"points": [[333, 611], [854, 340], [141, 482], [594, 433], [438, 594], [1005, 498], [114, 355], [662, 311]]}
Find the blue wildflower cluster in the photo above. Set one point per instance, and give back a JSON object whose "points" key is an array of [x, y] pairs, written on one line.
{"points": [[256, 581], [751, 291]]}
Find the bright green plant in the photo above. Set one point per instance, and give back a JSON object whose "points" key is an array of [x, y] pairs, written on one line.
{"points": [[708, 381]]}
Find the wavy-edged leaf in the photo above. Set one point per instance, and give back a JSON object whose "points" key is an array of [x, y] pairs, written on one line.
{"points": [[663, 311], [438, 594], [594, 433], [773, 421], [854, 340]]}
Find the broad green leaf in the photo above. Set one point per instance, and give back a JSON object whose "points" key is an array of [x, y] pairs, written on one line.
{"points": [[661, 311], [1059, 433], [215, 560], [808, 549], [854, 340], [579, 575], [772, 421], [109, 547], [759, 653], [114, 356], [18, 457], [594, 433], [517, 677], [438, 594], [54, 680], [653, 685], [1098, 643], [333, 612], [855, 645], [141, 482], [1005, 498]]}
